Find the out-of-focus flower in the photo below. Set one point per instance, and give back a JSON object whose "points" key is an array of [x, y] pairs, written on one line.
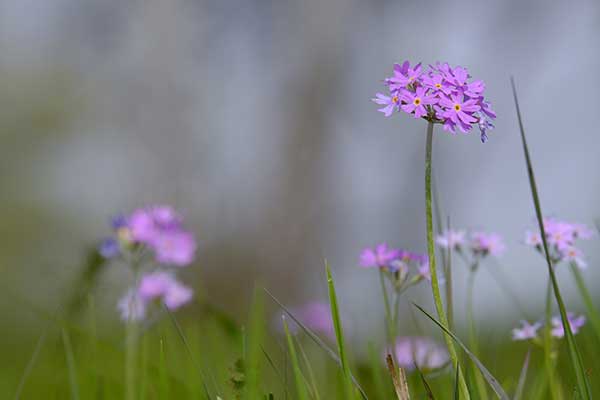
{"points": [[163, 286], [132, 306], [451, 239], [487, 243], [526, 330], [174, 248], [533, 238], [423, 352], [315, 315], [441, 94], [575, 322], [381, 256], [424, 272], [109, 248], [574, 255]]}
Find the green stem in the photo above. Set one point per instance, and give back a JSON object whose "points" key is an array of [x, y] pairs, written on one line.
{"points": [[386, 303], [548, 351], [435, 286], [473, 344]]}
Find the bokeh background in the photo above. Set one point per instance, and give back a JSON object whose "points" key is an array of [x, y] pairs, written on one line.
{"points": [[253, 117]]}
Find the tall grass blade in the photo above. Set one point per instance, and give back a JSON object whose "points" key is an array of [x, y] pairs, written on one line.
{"points": [[575, 357], [253, 351], [456, 391], [339, 332], [318, 341], [522, 377], [32, 360], [301, 389], [72, 368], [493, 382], [398, 379], [428, 390]]}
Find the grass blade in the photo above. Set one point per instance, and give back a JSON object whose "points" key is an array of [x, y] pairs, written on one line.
{"points": [[318, 341], [398, 379], [73, 385], [522, 377], [301, 389], [339, 332], [591, 309], [255, 337], [426, 384], [456, 391], [575, 357], [493, 382]]}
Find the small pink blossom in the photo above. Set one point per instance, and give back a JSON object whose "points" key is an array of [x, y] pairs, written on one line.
{"points": [[423, 352], [575, 322], [380, 257], [487, 243], [526, 331], [451, 239]]}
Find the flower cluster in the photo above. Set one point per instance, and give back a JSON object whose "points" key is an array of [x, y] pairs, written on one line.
{"points": [[440, 94], [422, 352], [157, 231], [478, 244], [315, 315], [529, 331], [561, 237], [397, 263]]}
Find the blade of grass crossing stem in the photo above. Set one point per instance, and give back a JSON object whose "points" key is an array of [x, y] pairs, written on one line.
{"points": [[318, 341], [493, 382], [398, 379], [301, 389], [253, 350], [549, 360], [592, 311], [339, 333], [522, 377], [426, 384], [583, 384], [73, 385]]}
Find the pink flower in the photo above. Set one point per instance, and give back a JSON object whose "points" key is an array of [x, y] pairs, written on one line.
{"points": [[574, 255], [416, 102], [423, 352], [381, 256], [487, 243], [533, 238], [315, 315], [526, 331], [575, 322], [451, 239], [164, 287], [174, 248]]}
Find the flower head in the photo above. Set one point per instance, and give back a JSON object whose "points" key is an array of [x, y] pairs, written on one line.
{"points": [[526, 330], [440, 94], [451, 239], [423, 352], [487, 243], [164, 287], [575, 322], [381, 256]]}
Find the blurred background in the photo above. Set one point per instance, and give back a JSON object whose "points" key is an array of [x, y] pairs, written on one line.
{"points": [[253, 118]]}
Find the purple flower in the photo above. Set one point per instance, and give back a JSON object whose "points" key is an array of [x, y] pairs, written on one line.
{"points": [[424, 272], [416, 102], [575, 322], [487, 243], [526, 331], [315, 315], [381, 256], [441, 94], [423, 352], [451, 239], [391, 103], [109, 248], [533, 239], [174, 248], [164, 287], [132, 306], [574, 255]]}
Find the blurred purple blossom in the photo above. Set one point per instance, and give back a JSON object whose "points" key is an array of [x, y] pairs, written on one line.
{"points": [[380, 257], [423, 352], [487, 243], [526, 330], [575, 322]]}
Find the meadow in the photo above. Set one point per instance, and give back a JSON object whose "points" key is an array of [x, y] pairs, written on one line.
{"points": [[157, 350]]}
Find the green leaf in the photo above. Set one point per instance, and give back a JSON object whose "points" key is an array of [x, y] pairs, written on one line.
{"points": [[592, 311], [298, 377], [493, 382], [583, 384], [522, 377]]}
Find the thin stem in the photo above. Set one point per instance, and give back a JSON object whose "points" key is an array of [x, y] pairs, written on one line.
{"points": [[548, 356], [435, 286], [386, 302], [448, 285], [473, 343]]}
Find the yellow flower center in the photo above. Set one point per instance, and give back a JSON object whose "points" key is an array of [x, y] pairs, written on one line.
{"points": [[417, 101], [395, 99], [457, 107], [438, 85], [124, 234]]}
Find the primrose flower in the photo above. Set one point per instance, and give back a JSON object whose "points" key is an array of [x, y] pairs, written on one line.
{"points": [[526, 330], [451, 239], [423, 352], [381, 256], [315, 315], [163, 286], [561, 237], [487, 243], [439, 94], [575, 322], [132, 306]]}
